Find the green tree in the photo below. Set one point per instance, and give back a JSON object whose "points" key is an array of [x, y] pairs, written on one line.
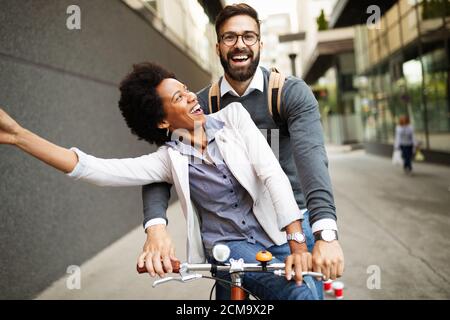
{"points": [[322, 22], [435, 8]]}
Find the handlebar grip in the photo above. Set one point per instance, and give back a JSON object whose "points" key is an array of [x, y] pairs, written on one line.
{"points": [[175, 267]]}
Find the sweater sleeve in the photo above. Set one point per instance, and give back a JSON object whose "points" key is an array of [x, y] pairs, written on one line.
{"points": [[301, 112]]}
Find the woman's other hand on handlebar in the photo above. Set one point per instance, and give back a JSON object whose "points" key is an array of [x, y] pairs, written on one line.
{"points": [[158, 251], [299, 261]]}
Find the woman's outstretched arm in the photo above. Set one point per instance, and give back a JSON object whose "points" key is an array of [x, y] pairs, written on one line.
{"points": [[76, 164], [12, 133]]}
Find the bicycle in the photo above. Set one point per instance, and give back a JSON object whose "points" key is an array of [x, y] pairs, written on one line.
{"points": [[236, 268]]}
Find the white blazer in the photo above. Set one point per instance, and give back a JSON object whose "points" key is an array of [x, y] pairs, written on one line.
{"points": [[245, 151]]}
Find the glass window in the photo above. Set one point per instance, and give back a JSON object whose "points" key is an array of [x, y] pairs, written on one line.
{"points": [[394, 37], [437, 100], [409, 27]]}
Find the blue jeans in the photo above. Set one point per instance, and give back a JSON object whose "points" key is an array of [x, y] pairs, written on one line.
{"points": [[407, 155], [268, 286]]}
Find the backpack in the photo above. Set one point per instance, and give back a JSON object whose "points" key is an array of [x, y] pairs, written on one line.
{"points": [[276, 82]]}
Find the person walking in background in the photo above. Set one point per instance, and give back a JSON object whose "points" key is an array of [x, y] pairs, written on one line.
{"points": [[405, 142]]}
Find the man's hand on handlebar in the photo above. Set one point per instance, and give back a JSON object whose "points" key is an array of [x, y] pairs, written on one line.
{"points": [[328, 259], [158, 251]]}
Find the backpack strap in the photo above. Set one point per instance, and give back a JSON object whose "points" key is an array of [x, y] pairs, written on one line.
{"points": [[274, 69], [213, 98], [276, 82]]}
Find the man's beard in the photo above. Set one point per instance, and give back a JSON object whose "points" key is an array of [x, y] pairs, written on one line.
{"points": [[240, 74]]}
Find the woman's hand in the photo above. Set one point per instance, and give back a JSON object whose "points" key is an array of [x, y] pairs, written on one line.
{"points": [[300, 261], [58, 157], [158, 251], [9, 128]]}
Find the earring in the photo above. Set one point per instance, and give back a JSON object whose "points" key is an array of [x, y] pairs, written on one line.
{"points": [[167, 132]]}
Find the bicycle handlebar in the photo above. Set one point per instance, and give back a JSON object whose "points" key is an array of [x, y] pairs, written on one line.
{"points": [[187, 271], [277, 268]]}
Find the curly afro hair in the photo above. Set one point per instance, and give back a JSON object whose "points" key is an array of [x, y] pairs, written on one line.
{"points": [[141, 105]]}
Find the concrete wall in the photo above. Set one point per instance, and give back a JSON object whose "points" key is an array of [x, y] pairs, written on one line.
{"points": [[343, 129], [62, 84]]}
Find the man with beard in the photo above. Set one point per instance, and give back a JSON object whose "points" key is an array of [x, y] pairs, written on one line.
{"points": [[301, 154]]}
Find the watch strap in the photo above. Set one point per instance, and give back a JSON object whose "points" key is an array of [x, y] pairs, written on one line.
{"points": [[292, 236], [318, 235]]}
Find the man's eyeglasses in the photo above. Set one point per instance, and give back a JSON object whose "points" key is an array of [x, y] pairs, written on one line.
{"points": [[230, 38]]}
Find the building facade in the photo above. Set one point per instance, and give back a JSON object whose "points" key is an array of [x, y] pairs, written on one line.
{"points": [[403, 69], [397, 64]]}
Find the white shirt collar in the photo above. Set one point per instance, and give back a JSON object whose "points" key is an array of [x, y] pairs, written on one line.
{"points": [[256, 83]]}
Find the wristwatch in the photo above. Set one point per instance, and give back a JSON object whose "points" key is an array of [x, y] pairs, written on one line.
{"points": [[297, 236], [327, 235]]}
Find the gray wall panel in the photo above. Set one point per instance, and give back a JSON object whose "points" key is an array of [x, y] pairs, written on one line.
{"points": [[61, 85]]}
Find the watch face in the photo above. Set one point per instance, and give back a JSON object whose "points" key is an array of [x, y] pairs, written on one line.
{"points": [[299, 237], [328, 235]]}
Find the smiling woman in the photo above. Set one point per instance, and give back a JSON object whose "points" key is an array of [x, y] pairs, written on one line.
{"points": [[139, 102], [154, 104], [181, 107]]}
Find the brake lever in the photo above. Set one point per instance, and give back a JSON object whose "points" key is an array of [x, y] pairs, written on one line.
{"points": [[304, 273], [184, 278], [164, 280]]}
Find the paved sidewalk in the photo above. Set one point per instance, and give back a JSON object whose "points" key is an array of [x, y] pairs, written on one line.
{"points": [[394, 222], [112, 273], [388, 221]]}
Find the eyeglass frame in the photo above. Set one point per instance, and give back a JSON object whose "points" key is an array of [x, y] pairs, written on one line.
{"points": [[258, 38]]}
